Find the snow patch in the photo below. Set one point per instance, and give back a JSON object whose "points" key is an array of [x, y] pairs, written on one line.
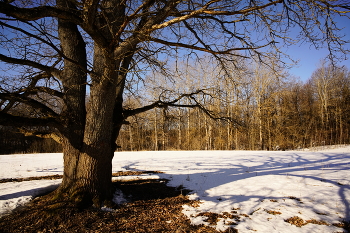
{"points": [[252, 187]]}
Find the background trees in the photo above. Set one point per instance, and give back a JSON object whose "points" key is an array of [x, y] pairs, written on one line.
{"points": [[267, 111], [273, 111]]}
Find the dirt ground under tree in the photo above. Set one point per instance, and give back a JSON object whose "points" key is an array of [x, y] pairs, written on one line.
{"points": [[153, 207]]}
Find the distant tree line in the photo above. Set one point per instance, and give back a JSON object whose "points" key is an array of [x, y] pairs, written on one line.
{"points": [[254, 108], [259, 109]]}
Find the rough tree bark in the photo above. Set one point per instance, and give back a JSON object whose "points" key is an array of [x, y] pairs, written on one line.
{"points": [[74, 113], [89, 138]]}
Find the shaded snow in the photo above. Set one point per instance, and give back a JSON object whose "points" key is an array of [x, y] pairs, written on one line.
{"points": [[311, 184], [16, 194]]}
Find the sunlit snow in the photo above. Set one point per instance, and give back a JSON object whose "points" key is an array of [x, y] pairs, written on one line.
{"points": [[312, 184]]}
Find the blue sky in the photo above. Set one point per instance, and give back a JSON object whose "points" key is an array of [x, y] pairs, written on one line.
{"points": [[310, 58]]}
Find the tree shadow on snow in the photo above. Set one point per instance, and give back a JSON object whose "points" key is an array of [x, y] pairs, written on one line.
{"points": [[204, 179], [148, 189]]}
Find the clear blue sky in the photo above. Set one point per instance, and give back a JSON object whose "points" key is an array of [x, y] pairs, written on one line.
{"points": [[309, 58]]}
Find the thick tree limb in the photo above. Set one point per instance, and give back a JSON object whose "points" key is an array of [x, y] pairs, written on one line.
{"points": [[20, 121], [90, 11], [194, 47], [32, 36], [31, 14], [36, 90], [39, 134], [33, 64], [175, 103], [329, 5], [162, 104], [71, 15], [29, 101], [34, 80], [242, 12], [48, 42]]}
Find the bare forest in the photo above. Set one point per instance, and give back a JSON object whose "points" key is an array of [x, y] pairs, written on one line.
{"points": [[260, 109]]}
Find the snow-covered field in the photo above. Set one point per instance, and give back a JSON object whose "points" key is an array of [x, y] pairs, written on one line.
{"points": [[262, 188]]}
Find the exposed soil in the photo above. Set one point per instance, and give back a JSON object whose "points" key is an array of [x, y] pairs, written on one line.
{"points": [[152, 207], [299, 222], [53, 177], [273, 212], [213, 218]]}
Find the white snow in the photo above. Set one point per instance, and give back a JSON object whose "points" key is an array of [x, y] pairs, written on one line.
{"points": [[311, 184]]}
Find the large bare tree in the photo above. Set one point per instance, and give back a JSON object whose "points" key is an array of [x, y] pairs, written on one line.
{"points": [[58, 54]]}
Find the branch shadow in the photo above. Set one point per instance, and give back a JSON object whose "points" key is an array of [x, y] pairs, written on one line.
{"points": [[204, 177]]}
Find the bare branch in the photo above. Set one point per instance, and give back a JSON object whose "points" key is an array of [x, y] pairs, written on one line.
{"points": [[32, 89], [242, 12], [228, 51], [50, 70], [90, 11], [31, 14], [29, 101], [36, 90], [176, 103], [20, 121], [39, 134]]}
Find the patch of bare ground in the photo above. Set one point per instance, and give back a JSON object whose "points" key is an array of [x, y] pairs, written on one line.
{"points": [[134, 173], [273, 212], [344, 224], [153, 207], [52, 177], [299, 222], [229, 218]]}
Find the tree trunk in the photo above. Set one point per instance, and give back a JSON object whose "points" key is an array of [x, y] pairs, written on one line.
{"points": [[179, 140], [155, 131], [91, 172], [88, 145], [87, 174]]}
